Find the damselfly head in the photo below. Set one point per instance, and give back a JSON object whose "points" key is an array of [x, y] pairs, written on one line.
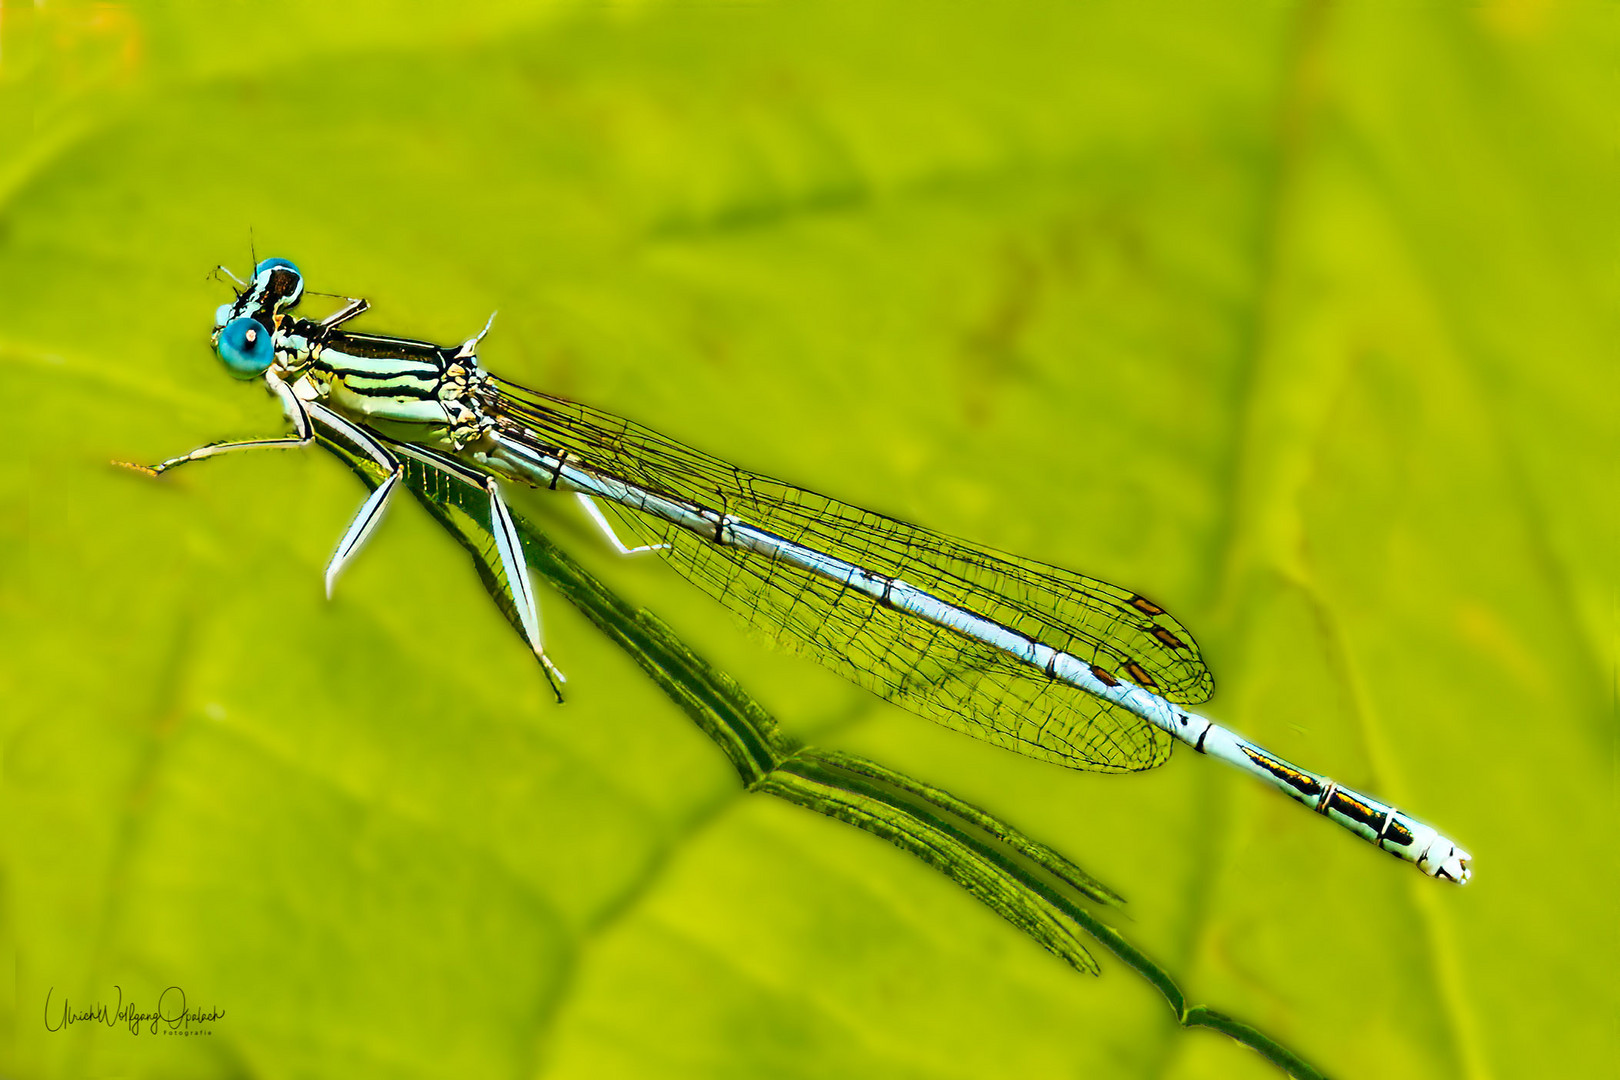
{"points": [[246, 347], [277, 287]]}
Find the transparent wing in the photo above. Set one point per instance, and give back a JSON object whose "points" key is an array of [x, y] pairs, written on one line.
{"points": [[938, 673]]}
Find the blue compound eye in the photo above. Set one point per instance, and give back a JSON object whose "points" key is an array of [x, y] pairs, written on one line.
{"points": [[246, 348], [285, 285], [268, 264]]}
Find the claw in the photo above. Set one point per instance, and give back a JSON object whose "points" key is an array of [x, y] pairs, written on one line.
{"points": [[553, 675]]}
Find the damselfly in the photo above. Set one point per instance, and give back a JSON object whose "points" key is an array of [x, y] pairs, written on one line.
{"points": [[1042, 661]]}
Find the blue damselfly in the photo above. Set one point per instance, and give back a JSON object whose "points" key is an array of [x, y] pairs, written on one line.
{"points": [[1030, 657]]}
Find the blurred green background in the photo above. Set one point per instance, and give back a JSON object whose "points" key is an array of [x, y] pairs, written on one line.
{"points": [[1298, 317]]}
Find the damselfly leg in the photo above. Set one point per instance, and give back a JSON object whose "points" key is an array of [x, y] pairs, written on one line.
{"points": [[222, 269], [346, 312], [371, 511], [360, 529], [299, 413], [509, 550], [508, 544], [296, 413], [607, 529], [314, 418]]}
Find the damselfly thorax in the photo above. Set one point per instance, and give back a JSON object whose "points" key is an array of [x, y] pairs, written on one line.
{"points": [[409, 391]]}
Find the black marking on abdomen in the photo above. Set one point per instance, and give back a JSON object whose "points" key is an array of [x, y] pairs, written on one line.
{"points": [[720, 521], [1301, 782], [1395, 833], [1103, 677], [1347, 805], [1328, 792]]}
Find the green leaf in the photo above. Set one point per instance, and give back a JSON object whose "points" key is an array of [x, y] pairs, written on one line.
{"points": [[1032, 887], [1292, 317]]}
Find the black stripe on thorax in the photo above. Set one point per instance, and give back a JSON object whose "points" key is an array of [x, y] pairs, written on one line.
{"points": [[381, 347], [395, 387], [375, 366]]}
